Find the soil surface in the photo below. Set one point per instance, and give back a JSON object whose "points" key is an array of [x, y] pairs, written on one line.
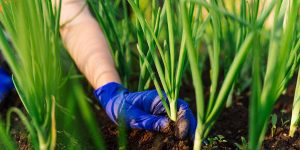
{"points": [[227, 133]]}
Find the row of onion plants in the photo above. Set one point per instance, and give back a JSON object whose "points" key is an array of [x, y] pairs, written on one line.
{"points": [[280, 67], [207, 116]]}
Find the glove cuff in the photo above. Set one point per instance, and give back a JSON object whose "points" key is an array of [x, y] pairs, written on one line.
{"points": [[108, 91]]}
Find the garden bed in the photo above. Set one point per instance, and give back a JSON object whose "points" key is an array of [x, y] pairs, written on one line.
{"points": [[226, 134]]}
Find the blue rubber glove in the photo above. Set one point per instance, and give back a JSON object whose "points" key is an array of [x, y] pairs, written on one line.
{"points": [[144, 110], [6, 84]]}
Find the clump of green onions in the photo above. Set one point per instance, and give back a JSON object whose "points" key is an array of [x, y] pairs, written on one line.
{"points": [[206, 117], [168, 64], [42, 77], [34, 63]]}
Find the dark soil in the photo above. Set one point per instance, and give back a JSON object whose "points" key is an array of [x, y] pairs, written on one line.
{"points": [[231, 126], [283, 110], [140, 139]]}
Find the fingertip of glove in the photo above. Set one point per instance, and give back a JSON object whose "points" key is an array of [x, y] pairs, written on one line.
{"points": [[165, 125], [182, 128]]}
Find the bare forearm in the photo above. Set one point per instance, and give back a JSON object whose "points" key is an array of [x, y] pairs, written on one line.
{"points": [[86, 44]]}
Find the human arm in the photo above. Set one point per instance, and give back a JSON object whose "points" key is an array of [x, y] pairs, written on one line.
{"points": [[86, 43]]}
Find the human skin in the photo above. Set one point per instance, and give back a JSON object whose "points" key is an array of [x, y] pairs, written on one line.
{"points": [[86, 43]]}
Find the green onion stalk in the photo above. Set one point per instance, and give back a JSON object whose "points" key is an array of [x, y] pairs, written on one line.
{"points": [[296, 108], [294, 62]]}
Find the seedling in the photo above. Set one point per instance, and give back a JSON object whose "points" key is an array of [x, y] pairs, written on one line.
{"points": [[218, 138], [282, 120], [274, 122], [213, 141], [244, 145]]}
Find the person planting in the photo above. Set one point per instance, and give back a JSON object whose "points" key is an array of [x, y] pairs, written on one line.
{"points": [[87, 46]]}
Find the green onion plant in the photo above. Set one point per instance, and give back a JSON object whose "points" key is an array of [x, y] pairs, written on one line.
{"points": [[278, 71], [54, 101], [207, 116], [30, 67], [169, 60]]}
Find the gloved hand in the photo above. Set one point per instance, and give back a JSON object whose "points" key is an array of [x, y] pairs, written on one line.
{"points": [[144, 110], [6, 84]]}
